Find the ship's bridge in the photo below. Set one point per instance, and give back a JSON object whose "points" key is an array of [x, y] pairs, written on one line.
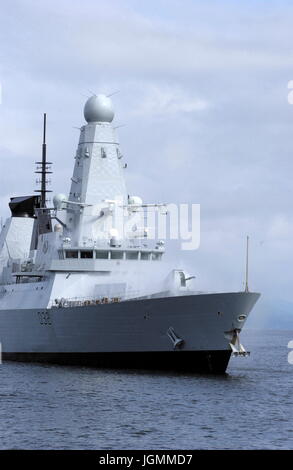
{"points": [[111, 254], [93, 259]]}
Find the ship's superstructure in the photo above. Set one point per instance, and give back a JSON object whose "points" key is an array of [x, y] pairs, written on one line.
{"points": [[81, 282]]}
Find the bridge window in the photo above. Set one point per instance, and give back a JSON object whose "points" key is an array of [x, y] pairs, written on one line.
{"points": [[144, 255], [86, 254], [71, 254], [116, 254], [156, 256], [131, 254], [102, 254]]}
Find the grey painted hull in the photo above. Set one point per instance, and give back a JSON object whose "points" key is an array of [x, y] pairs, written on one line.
{"points": [[131, 333]]}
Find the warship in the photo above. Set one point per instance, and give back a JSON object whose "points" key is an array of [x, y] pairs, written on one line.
{"points": [[75, 288]]}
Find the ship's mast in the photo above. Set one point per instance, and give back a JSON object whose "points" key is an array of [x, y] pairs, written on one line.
{"points": [[246, 270], [44, 156], [44, 169]]}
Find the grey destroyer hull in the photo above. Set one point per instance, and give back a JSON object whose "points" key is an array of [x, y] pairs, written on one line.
{"points": [[181, 333]]}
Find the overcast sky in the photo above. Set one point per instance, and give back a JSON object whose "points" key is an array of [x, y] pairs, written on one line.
{"points": [[203, 100]]}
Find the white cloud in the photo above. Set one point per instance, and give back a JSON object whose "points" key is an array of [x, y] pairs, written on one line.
{"points": [[204, 100], [165, 101], [280, 227]]}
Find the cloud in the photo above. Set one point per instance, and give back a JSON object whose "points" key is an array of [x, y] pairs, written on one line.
{"points": [[281, 227], [166, 101], [204, 99]]}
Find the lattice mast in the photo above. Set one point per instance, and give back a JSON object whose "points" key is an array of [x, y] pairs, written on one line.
{"points": [[43, 168]]}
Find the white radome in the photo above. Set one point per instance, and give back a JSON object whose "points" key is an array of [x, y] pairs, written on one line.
{"points": [[98, 108], [135, 200], [58, 228], [58, 200]]}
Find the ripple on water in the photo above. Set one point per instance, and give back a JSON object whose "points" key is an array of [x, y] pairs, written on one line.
{"points": [[45, 406]]}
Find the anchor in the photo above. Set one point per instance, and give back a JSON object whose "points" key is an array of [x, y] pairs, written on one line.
{"points": [[234, 341], [177, 342]]}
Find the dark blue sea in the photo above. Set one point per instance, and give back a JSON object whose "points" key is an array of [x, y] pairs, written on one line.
{"points": [[54, 407]]}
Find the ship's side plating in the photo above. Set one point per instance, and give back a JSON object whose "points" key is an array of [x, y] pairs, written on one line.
{"points": [[137, 333]]}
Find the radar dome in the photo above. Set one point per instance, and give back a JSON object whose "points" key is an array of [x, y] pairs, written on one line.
{"points": [[58, 228], [58, 200], [98, 108], [135, 200]]}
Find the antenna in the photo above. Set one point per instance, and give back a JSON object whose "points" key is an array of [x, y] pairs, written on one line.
{"points": [[246, 270], [43, 168], [113, 93], [92, 92]]}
